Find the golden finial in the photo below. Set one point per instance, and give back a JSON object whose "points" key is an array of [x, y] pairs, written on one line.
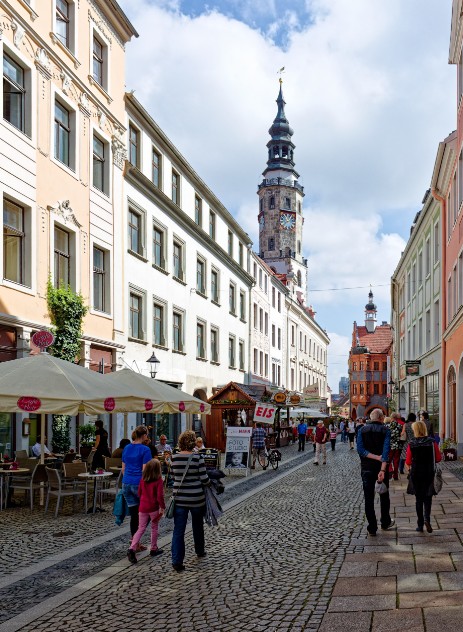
{"points": [[280, 72]]}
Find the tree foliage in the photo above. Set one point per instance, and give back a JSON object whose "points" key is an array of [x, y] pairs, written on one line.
{"points": [[67, 310]]}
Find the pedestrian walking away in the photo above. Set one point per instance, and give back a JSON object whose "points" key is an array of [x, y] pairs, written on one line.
{"points": [[333, 437], [320, 438], [257, 442], [406, 436], [396, 447], [134, 459], [152, 506], [373, 445], [342, 428], [351, 433], [422, 455], [301, 433], [189, 498]]}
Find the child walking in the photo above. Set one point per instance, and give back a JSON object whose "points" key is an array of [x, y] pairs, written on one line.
{"points": [[152, 506]]}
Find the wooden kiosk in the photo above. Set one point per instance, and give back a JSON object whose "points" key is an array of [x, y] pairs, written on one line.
{"points": [[233, 405]]}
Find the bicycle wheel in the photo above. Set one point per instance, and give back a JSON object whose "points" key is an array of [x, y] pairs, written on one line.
{"points": [[262, 459], [273, 460]]}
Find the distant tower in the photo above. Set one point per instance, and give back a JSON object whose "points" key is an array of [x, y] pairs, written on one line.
{"points": [[280, 205], [370, 314]]}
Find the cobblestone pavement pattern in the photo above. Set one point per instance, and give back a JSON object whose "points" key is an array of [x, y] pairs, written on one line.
{"points": [[271, 564]]}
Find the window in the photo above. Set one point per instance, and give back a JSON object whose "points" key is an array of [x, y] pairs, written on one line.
{"points": [[427, 257], [159, 245], [256, 361], [134, 146], [279, 302], [362, 389], [375, 389], [420, 268], [62, 134], [230, 243], [255, 309], [420, 336], [98, 61], [135, 231], [14, 93], [62, 269], [214, 344], [414, 279], [266, 365], [293, 335], [242, 306], [198, 210], [428, 330], [99, 279], [178, 260], [354, 366], [354, 389], [177, 333], [100, 179], [159, 324], [175, 188], [287, 203], [200, 341], [232, 299], [271, 243], [201, 276], [241, 355], [261, 320], [436, 242], [260, 278], [215, 286], [272, 202], [240, 254], [63, 18], [266, 323], [362, 366], [375, 366], [136, 316], [13, 242], [279, 338], [212, 225], [273, 335], [231, 352], [409, 287], [273, 297], [155, 168]]}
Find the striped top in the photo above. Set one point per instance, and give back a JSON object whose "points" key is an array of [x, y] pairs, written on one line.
{"points": [[191, 492]]}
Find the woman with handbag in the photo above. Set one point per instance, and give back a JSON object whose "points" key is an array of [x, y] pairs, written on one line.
{"points": [[190, 476], [422, 456]]}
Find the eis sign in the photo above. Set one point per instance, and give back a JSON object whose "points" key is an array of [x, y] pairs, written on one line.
{"points": [[264, 413]]}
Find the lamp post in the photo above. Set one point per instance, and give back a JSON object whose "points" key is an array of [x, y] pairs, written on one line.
{"points": [[153, 363], [391, 385]]}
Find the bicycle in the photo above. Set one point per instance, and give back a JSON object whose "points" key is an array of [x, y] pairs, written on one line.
{"points": [[268, 456]]}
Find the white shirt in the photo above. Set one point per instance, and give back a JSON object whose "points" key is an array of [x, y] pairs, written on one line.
{"points": [[36, 449]]}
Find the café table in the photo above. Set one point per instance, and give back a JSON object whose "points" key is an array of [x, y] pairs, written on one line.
{"points": [[4, 484], [95, 477]]}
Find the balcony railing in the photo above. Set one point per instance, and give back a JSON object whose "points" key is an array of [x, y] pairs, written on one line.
{"points": [[287, 182]]}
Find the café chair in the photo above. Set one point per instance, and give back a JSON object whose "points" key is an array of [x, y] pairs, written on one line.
{"points": [[89, 459], [29, 483], [28, 463], [111, 490], [110, 461], [69, 457], [21, 454], [55, 488], [71, 473]]}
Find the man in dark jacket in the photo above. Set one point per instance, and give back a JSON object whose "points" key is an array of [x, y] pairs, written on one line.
{"points": [[373, 445]]}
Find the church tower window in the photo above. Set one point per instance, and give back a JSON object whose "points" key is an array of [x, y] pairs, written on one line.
{"points": [[272, 202], [287, 202], [271, 243]]}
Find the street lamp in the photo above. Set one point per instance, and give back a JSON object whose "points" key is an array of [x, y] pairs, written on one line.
{"points": [[153, 362], [391, 385]]}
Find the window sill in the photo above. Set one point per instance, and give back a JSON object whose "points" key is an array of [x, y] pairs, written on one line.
{"points": [[163, 347], [102, 194], [179, 280], [201, 359], [28, 8], [137, 255], [232, 367], [242, 370], [179, 352], [64, 167], [100, 88], [141, 342], [215, 302], [100, 314], [232, 314], [159, 269], [22, 135], [19, 287], [65, 50], [202, 294], [243, 320], [215, 362]]}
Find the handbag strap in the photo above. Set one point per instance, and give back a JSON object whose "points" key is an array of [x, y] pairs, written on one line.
{"points": [[184, 474]]}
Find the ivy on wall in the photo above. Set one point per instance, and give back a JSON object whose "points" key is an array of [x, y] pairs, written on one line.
{"points": [[67, 310]]}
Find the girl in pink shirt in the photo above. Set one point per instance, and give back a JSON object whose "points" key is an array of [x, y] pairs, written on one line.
{"points": [[152, 506]]}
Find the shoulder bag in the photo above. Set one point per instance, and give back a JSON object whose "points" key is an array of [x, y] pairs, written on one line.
{"points": [[437, 483], [170, 507]]}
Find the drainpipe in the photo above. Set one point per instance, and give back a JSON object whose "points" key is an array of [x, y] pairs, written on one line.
{"points": [[443, 403]]}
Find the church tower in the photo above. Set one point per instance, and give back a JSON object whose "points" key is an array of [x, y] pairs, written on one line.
{"points": [[280, 206], [370, 314]]}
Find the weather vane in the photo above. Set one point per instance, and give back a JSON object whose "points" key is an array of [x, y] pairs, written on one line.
{"points": [[280, 72]]}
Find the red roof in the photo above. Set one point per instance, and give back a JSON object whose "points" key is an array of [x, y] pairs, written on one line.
{"points": [[379, 341]]}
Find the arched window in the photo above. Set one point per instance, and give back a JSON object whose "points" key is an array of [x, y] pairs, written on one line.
{"points": [[276, 152], [284, 152], [271, 243], [272, 202]]}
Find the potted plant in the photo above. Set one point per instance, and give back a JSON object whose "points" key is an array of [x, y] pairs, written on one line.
{"points": [[449, 448], [87, 439]]}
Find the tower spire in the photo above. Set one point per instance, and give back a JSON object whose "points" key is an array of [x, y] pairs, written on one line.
{"points": [[370, 313], [280, 146]]}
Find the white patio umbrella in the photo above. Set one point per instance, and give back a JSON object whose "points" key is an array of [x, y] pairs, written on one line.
{"points": [[164, 398], [44, 384]]}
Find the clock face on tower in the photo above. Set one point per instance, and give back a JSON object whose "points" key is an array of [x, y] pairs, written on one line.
{"points": [[287, 221]]}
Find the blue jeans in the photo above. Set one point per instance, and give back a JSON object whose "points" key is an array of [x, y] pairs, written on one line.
{"points": [[178, 537]]}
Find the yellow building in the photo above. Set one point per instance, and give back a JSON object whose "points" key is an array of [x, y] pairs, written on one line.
{"points": [[62, 152]]}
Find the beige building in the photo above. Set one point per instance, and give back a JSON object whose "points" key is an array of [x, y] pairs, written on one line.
{"points": [[62, 153]]}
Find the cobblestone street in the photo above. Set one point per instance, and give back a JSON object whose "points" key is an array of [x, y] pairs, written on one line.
{"points": [[290, 553]]}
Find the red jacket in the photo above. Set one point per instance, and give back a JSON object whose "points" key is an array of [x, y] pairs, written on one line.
{"points": [[151, 496]]}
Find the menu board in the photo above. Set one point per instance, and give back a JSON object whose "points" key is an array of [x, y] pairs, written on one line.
{"points": [[211, 458]]}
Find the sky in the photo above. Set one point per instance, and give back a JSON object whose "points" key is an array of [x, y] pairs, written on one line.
{"points": [[369, 94]]}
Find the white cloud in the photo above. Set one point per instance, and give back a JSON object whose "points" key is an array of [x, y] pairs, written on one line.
{"points": [[369, 94]]}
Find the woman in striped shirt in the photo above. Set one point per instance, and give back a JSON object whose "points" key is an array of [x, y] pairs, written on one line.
{"points": [[189, 497]]}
